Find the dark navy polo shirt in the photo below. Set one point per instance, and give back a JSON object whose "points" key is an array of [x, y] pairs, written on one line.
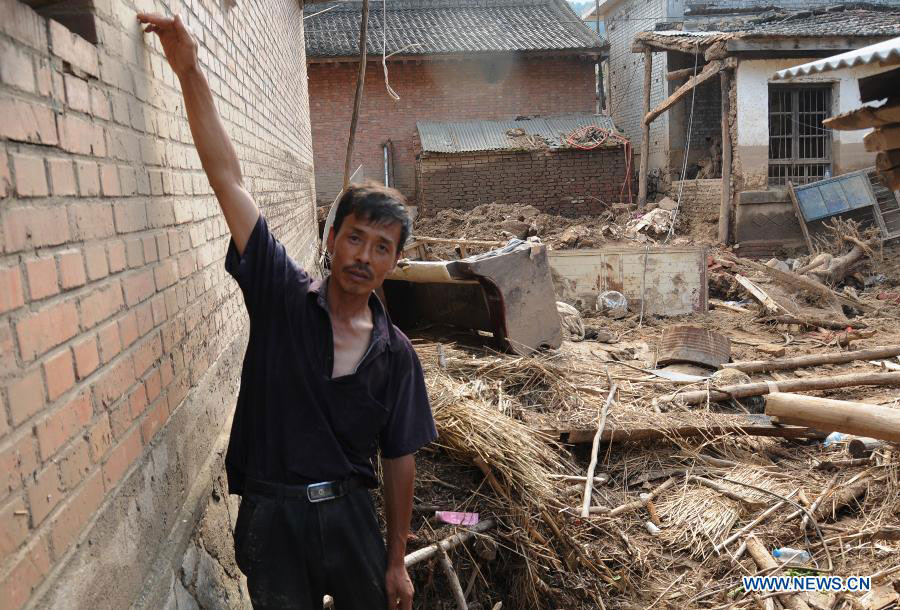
{"points": [[294, 423]]}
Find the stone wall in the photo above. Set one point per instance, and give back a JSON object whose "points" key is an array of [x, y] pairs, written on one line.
{"points": [[120, 332]]}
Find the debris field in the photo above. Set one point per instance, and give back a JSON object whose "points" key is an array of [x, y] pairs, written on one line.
{"points": [[695, 482]]}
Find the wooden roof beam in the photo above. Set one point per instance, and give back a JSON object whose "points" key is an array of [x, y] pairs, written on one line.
{"points": [[710, 70]]}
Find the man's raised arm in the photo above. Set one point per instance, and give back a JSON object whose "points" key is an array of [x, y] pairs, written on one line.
{"points": [[216, 151]]}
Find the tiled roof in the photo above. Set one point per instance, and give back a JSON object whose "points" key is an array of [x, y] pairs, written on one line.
{"points": [[520, 134], [840, 20], [429, 27]]}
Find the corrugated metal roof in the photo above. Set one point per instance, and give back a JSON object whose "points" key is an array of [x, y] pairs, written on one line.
{"points": [[472, 136], [884, 53]]}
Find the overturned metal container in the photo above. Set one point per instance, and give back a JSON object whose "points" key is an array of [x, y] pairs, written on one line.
{"points": [[692, 344]]}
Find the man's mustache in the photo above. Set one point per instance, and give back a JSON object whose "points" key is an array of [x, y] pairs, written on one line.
{"points": [[364, 269]]}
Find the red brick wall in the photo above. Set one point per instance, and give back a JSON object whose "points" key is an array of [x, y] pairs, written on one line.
{"points": [[567, 182], [429, 90], [113, 297]]}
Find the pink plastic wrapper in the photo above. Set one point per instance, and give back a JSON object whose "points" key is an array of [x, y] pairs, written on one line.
{"points": [[455, 518]]}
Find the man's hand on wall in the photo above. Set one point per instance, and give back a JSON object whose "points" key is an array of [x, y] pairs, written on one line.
{"points": [[177, 42]]}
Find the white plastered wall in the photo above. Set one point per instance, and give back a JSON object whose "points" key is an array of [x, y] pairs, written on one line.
{"points": [[752, 82]]}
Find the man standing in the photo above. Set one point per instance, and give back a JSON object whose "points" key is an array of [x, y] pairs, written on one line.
{"points": [[327, 380]]}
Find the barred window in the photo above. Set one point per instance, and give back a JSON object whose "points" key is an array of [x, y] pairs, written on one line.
{"points": [[799, 146]]}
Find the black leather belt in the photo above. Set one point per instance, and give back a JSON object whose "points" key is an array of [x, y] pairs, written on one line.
{"points": [[314, 492]]}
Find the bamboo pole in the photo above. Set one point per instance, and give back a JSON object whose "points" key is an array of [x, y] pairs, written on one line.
{"points": [[786, 364], [859, 418], [595, 448], [645, 130], [360, 82], [448, 543], [743, 390]]}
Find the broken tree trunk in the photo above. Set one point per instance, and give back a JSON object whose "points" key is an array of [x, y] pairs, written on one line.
{"points": [[767, 563], [815, 322], [862, 446], [840, 267], [448, 543], [860, 418], [743, 390], [840, 498], [787, 364]]}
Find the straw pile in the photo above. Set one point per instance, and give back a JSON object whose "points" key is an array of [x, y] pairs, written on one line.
{"points": [[484, 404]]}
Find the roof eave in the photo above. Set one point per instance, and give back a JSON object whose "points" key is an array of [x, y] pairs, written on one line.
{"points": [[584, 51]]}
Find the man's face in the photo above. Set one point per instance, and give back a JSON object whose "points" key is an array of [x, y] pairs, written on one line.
{"points": [[362, 253]]}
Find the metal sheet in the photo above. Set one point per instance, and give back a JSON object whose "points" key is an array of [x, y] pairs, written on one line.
{"points": [[838, 195], [472, 136], [883, 53], [674, 282]]}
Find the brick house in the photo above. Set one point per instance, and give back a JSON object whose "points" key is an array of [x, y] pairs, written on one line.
{"points": [[451, 60], [526, 161], [121, 336]]}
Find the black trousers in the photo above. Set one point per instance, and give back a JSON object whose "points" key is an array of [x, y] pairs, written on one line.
{"points": [[293, 552]]}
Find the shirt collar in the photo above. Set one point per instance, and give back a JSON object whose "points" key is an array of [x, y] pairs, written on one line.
{"points": [[382, 328]]}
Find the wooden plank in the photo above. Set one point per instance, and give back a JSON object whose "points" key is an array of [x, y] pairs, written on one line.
{"points": [[683, 73], [754, 425], [800, 219], [883, 138], [799, 43], [892, 177], [645, 132], [725, 207], [710, 70], [887, 159], [861, 118]]}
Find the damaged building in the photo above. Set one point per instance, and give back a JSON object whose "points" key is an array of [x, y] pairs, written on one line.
{"points": [[711, 112], [525, 58]]}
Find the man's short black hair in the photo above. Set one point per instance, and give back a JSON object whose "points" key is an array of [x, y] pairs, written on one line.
{"points": [[374, 203]]}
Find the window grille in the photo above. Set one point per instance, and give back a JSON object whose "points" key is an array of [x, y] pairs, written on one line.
{"points": [[799, 146]]}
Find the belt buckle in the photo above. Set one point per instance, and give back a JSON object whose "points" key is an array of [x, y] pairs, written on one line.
{"points": [[320, 492]]}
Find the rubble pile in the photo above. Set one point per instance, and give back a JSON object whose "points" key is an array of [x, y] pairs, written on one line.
{"points": [[703, 473]]}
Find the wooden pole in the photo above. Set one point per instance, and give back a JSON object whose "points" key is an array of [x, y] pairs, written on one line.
{"points": [[645, 130], [859, 418], [862, 447], [595, 448], [453, 579], [725, 210], [601, 102], [787, 364], [743, 390], [360, 82], [447, 543]]}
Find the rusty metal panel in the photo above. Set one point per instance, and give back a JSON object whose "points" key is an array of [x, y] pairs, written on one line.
{"points": [[671, 281], [692, 344]]}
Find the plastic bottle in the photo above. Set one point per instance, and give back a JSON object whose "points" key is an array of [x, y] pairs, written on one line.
{"points": [[834, 437], [791, 557]]}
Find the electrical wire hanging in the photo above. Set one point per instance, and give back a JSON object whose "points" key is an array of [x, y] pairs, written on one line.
{"points": [[590, 137], [387, 83], [687, 150]]}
